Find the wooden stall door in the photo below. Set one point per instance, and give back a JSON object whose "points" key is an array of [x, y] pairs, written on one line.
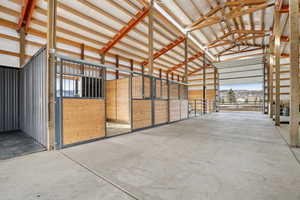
{"points": [[175, 110], [123, 107], [184, 109], [161, 111], [142, 113], [111, 104], [83, 120], [117, 100]]}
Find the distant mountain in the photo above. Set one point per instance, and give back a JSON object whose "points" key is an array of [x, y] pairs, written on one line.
{"points": [[244, 94]]}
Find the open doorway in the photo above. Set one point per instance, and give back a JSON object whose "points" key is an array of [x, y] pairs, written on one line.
{"points": [[118, 103], [242, 97]]}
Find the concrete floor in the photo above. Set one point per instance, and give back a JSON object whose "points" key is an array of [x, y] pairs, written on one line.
{"points": [[222, 156], [113, 128], [284, 132], [16, 143]]}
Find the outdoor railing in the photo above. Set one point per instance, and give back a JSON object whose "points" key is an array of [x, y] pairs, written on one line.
{"points": [[198, 107], [242, 106]]}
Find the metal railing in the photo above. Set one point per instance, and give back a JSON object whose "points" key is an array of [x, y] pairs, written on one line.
{"points": [[242, 106], [198, 107]]}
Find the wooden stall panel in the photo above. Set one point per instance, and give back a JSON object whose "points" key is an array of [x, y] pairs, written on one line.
{"points": [[164, 90], [147, 87], [184, 109], [122, 100], [183, 92], [198, 94], [161, 111], [158, 88], [111, 104], [175, 110], [174, 91], [141, 113], [137, 87], [195, 94], [83, 120], [211, 94]]}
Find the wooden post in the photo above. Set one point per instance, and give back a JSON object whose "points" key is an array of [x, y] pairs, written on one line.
{"points": [[150, 38], [143, 70], [218, 90], [264, 88], [186, 57], [131, 65], [51, 49], [22, 46], [117, 66], [277, 68], [102, 59], [82, 51], [160, 73], [271, 69], [82, 57], [294, 72], [268, 85], [172, 76], [81, 67], [204, 84], [215, 87]]}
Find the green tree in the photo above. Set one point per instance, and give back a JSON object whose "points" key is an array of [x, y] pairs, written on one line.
{"points": [[231, 96]]}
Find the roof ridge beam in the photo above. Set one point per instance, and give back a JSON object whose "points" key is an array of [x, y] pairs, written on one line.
{"points": [[233, 14]]}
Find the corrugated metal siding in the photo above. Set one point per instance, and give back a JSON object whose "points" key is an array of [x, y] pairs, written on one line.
{"points": [[33, 97], [9, 95]]}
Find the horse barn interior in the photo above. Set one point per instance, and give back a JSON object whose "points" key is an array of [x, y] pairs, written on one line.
{"points": [[122, 99]]}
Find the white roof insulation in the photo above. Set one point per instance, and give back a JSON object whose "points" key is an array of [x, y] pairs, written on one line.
{"points": [[94, 23]]}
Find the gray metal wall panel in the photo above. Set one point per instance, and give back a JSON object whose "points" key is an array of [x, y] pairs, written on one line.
{"points": [[34, 98], [9, 95]]}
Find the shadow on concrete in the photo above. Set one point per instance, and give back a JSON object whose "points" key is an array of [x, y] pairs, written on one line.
{"points": [[17, 143]]}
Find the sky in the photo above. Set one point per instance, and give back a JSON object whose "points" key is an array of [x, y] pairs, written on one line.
{"points": [[253, 86]]}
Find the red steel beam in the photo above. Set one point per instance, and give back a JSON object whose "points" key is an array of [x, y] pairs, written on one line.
{"points": [[166, 49], [283, 55], [282, 38], [130, 25], [278, 5], [183, 63], [26, 14], [285, 8]]}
